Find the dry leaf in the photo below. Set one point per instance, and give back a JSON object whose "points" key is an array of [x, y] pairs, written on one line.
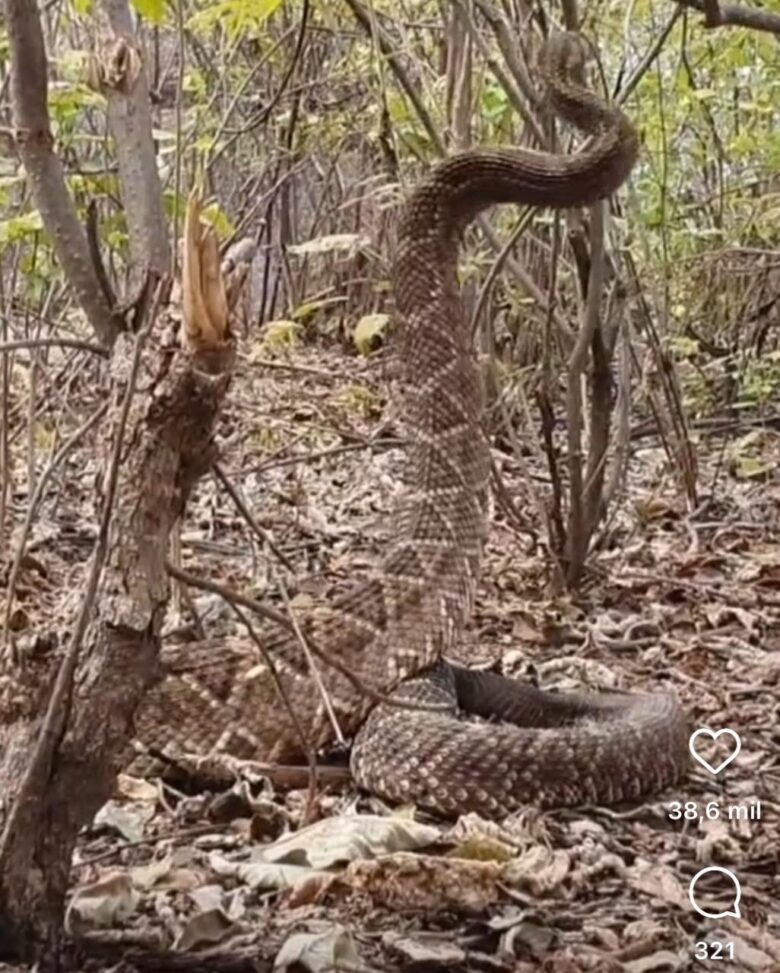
{"points": [[206, 927], [319, 952], [335, 841], [102, 903]]}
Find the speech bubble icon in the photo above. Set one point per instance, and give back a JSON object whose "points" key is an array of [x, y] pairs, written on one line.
{"points": [[734, 910], [705, 731]]}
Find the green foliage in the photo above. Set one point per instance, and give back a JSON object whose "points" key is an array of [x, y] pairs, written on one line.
{"points": [[407, 125], [304, 313], [151, 10], [233, 16], [495, 111], [709, 127], [217, 218], [747, 457], [213, 214], [707, 114], [7, 185], [195, 84], [356, 400], [19, 229], [280, 335], [67, 106], [760, 383]]}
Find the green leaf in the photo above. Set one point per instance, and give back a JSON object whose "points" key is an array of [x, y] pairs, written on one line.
{"points": [[281, 334], [235, 16], [219, 220], [683, 346], [306, 311], [367, 328], [752, 468], [151, 10], [19, 228]]}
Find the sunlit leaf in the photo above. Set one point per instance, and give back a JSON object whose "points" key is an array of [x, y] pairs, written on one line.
{"points": [[368, 328], [235, 16], [81, 7], [19, 228], [217, 217], [151, 10], [281, 334]]}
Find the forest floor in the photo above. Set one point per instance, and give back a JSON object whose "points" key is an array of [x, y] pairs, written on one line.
{"points": [[676, 599]]}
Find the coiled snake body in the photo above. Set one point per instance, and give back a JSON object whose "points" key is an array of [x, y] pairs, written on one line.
{"points": [[396, 626]]}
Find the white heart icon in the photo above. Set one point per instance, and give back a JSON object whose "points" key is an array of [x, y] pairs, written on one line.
{"points": [[714, 734]]}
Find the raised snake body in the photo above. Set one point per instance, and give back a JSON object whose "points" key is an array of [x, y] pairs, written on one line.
{"points": [[396, 626]]}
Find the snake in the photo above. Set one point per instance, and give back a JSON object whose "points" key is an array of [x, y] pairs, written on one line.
{"points": [[426, 730]]}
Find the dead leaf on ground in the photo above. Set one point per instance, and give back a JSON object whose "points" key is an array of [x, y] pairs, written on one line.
{"points": [[266, 875], [320, 952], [335, 841], [206, 928], [100, 904]]}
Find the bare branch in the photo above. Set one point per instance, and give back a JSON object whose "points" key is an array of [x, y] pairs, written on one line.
{"points": [[120, 75], [579, 531], [730, 15], [508, 81], [367, 21], [22, 343], [35, 143]]}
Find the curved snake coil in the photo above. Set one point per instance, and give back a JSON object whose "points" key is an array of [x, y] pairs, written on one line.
{"points": [[547, 749], [396, 626]]}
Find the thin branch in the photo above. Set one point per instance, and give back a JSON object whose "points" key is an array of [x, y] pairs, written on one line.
{"points": [[368, 22], [231, 596], [32, 509], [246, 513], [275, 464], [496, 267], [734, 16], [649, 59], [9, 346], [122, 78], [506, 38], [507, 81], [35, 143], [266, 110], [235, 598], [93, 241], [306, 746], [578, 533], [307, 650]]}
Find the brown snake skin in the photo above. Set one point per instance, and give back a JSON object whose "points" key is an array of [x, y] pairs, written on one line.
{"points": [[397, 625]]}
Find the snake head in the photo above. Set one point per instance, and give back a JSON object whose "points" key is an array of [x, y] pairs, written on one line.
{"points": [[565, 55]]}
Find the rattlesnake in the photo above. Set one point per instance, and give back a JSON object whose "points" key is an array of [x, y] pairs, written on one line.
{"points": [[396, 626]]}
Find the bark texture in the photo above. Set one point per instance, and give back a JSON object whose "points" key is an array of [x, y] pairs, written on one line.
{"points": [[60, 750]]}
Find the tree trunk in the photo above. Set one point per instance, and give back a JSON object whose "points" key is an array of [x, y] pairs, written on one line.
{"points": [[57, 769]]}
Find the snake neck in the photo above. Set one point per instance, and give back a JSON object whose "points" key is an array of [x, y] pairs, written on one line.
{"points": [[449, 456]]}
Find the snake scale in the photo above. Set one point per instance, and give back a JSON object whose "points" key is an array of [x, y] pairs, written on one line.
{"points": [[393, 629]]}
